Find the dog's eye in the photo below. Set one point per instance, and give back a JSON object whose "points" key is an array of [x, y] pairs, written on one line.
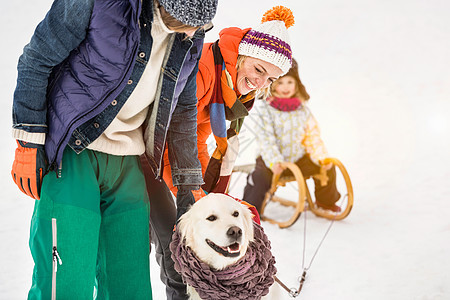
{"points": [[236, 214], [211, 218]]}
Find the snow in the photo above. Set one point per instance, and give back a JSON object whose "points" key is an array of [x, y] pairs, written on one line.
{"points": [[377, 73]]}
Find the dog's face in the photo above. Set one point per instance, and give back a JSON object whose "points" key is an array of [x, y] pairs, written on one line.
{"points": [[218, 229]]}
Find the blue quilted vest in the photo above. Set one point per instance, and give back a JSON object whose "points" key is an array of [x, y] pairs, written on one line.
{"points": [[94, 74]]}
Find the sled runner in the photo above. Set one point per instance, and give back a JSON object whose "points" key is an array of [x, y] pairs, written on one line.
{"points": [[299, 184]]}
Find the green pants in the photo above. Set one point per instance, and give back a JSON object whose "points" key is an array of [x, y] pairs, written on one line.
{"points": [[92, 225]]}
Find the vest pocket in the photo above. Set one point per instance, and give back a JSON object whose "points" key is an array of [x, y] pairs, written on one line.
{"points": [[55, 257]]}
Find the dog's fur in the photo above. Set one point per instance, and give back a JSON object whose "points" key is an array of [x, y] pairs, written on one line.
{"points": [[217, 220], [210, 219]]}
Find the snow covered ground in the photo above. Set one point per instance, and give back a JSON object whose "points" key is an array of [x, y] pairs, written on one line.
{"points": [[377, 73]]}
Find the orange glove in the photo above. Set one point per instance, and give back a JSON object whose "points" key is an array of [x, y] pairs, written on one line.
{"points": [[29, 167]]}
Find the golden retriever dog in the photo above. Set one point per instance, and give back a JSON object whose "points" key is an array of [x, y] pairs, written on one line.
{"points": [[217, 237]]}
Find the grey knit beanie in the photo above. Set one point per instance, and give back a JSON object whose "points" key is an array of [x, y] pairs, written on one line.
{"points": [[191, 12]]}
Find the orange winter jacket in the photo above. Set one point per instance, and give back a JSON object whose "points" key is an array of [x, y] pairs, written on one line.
{"points": [[229, 39]]}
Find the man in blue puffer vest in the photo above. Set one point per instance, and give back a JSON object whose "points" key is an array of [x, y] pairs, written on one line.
{"points": [[96, 77]]}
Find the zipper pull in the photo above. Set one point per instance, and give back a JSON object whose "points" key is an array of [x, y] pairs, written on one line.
{"points": [[58, 172], [56, 259]]}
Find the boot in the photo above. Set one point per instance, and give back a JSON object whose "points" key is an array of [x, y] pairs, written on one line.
{"points": [[333, 207]]}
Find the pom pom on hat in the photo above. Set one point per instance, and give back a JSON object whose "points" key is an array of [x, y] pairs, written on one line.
{"points": [[279, 13], [269, 41]]}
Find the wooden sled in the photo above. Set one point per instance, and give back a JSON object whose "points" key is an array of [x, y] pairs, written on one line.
{"points": [[305, 196]]}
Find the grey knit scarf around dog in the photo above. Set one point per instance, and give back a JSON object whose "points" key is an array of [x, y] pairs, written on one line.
{"points": [[249, 278]]}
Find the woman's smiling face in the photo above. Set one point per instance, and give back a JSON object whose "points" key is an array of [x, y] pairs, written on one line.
{"points": [[255, 74]]}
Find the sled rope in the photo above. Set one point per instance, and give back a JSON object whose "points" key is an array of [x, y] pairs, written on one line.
{"points": [[320, 244], [295, 292]]}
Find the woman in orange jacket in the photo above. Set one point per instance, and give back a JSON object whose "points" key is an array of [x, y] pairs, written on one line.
{"points": [[231, 72]]}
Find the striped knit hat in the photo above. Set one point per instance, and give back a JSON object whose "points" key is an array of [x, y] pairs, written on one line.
{"points": [[270, 41]]}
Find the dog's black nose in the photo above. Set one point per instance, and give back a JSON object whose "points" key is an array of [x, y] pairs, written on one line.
{"points": [[234, 232]]}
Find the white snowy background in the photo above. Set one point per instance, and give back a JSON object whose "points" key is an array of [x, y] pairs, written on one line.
{"points": [[379, 80]]}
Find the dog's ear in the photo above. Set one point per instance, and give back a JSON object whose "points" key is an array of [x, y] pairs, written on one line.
{"points": [[248, 222], [184, 225]]}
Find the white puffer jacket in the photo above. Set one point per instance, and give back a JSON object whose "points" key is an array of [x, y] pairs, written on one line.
{"points": [[286, 135]]}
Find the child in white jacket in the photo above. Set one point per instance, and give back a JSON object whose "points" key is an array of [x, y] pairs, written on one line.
{"points": [[288, 132]]}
